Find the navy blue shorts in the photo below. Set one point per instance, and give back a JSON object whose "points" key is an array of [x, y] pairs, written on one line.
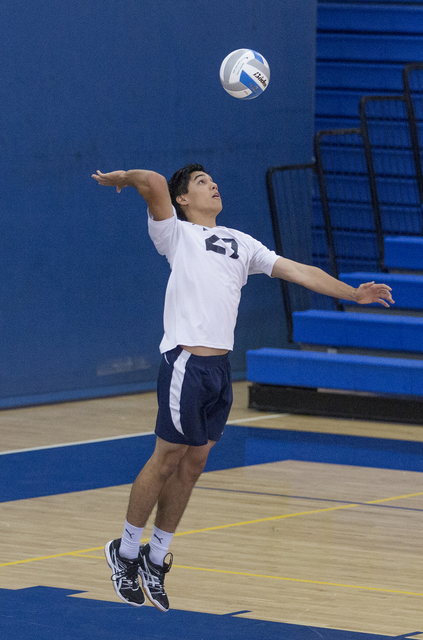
{"points": [[194, 395]]}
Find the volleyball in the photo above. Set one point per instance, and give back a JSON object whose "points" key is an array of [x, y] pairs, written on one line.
{"points": [[244, 74]]}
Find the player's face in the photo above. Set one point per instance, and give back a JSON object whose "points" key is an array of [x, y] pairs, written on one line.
{"points": [[203, 193]]}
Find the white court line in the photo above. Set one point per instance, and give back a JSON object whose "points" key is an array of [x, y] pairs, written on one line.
{"points": [[73, 444], [130, 435], [241, 421]]}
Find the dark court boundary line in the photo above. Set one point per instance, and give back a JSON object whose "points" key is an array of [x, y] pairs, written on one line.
{"points": [[309, 498]]}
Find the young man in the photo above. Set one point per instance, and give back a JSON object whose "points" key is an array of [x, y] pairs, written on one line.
{"points": [[209, 266]]}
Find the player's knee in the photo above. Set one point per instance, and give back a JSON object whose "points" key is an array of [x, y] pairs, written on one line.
{"points": [[169, 464], [192, 466], [166, 461]]}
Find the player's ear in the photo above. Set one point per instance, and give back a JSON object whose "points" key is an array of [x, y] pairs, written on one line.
{"points": [[181, 199]]}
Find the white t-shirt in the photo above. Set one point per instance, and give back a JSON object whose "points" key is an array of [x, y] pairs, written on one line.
{"points": [[209, 268]]}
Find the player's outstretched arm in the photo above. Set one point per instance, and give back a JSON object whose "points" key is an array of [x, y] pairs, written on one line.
{"points": [[151, 185], [321, 282]]}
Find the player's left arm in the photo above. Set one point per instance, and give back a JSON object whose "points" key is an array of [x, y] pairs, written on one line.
{"points": [[317, 280]]}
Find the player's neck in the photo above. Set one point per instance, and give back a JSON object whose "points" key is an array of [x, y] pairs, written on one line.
{"points": [[202, 218]]}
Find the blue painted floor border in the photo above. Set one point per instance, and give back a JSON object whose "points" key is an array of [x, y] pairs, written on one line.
{"points": [[94, 465], [48, 614]]}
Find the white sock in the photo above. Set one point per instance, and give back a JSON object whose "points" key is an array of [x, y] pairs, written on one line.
{"points": [[130, 543], [159, 545]]}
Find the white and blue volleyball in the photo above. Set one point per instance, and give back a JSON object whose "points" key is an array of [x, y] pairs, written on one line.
{"points": [[244, 74]]}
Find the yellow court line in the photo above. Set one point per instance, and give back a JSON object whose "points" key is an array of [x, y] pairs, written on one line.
{"points": [[300, 513], [55, 555], [270, 518], [303, 580], [328, 584], [223, 526], [184, 533], [409, 495]]}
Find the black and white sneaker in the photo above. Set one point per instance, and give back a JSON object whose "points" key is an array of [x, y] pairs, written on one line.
{"points": [[125, 575], [152, 576]]}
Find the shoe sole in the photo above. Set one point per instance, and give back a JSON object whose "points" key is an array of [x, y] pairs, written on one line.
{"points": [[110, 563]]}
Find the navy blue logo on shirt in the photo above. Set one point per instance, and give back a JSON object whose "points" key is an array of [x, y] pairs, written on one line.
{"points": [[212, 246]]}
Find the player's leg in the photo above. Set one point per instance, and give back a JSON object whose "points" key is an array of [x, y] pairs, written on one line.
{"points": [[151, 480], [195, 395], [171, 505], [176, 492], [123, 554]]}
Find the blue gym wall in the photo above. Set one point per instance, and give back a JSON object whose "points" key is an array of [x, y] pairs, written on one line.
{"points": [[111, 84]]}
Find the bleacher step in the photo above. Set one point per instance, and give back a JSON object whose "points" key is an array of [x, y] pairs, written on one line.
{"points": [[404, 252], [358, 373], [407, 289], [360, 330]]}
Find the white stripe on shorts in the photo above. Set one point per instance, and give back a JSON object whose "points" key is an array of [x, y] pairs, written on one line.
{"points": [[176, 388]]}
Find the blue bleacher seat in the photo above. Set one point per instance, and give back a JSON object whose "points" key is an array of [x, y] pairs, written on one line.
{"points": [[407, 290], [335, 371], [371, 47], [359, 330], [404, 252], [370, 17]]}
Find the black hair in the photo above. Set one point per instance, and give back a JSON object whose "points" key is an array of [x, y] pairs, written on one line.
{"points": [[178, 185]]}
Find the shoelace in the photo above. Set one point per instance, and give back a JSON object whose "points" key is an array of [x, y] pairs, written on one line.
{"points": [[129, 574], [157, 572], [167, 565]]}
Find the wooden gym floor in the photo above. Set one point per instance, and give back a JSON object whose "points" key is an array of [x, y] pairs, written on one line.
{"points": [[315, 534]]}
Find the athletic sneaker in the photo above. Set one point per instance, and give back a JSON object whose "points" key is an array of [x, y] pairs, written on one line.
{"points": [[125, 575], [152, 576]]}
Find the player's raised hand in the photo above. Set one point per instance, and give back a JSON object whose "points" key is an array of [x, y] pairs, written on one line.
{"points": [[370, 292], [112, 179]]}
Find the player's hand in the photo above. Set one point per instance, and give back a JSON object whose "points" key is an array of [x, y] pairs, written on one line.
{"points": [[371, 292], [112, 179]]}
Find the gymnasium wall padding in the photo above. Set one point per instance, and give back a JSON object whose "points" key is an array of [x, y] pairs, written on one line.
{"points": [[90, 84]]}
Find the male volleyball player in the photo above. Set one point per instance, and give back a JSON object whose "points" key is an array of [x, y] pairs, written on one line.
{"points": [[209, 266]]}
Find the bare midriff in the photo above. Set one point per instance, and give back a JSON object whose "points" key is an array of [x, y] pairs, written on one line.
{"points": [[204, 351]]}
